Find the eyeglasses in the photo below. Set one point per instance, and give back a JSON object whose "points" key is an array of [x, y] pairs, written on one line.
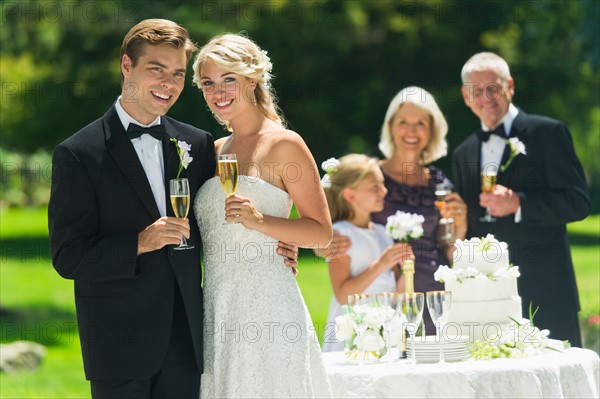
{"points": [[489, 92]]}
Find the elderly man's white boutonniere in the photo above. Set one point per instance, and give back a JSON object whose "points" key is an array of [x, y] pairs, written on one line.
{"points": [[516, 147]]}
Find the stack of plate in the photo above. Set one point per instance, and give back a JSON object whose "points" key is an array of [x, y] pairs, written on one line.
{"points": [[427, 350]]}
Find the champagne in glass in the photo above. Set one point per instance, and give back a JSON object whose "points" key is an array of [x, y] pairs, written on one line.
{"points": [[488, 184], [181, 205], [180, 201], [228, 173], [445, 229], [438, 303], [441, 190], [227, 165]]}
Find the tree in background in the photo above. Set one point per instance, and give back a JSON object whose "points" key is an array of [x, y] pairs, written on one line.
{"points": [[337, 63]]}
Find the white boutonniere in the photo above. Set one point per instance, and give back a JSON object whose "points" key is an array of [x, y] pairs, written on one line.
{"points": [[516, 147], [183, 149]]}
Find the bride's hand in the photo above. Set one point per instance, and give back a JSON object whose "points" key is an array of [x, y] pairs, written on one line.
{"points": [[241, 210]]}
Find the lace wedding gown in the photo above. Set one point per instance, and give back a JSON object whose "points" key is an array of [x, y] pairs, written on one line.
{"points": [[258, 337]]}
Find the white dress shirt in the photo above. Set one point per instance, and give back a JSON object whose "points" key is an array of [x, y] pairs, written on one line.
{"points": [[491, 150], [150, 153]]}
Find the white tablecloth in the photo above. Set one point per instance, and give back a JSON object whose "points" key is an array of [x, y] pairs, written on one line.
{"points": [[572, 374]]}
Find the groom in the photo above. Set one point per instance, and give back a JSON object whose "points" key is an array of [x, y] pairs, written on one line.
{"points": [[536, 195], [112, 229]]}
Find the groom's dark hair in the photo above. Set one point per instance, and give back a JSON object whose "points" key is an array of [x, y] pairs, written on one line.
{"points": [[155, 32]]}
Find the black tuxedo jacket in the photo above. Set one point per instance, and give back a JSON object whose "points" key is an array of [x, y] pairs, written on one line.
{"points": [[100, 201], [551, 185]]}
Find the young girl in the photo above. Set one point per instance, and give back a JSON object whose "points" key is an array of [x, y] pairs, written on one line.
{"points": [[355, 191]]}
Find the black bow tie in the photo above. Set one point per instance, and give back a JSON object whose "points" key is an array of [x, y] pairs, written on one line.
{"points": [[134, 131], [499, 131]]}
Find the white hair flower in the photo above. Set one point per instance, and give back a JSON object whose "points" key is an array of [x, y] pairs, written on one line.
{"points": [[330, 167]]}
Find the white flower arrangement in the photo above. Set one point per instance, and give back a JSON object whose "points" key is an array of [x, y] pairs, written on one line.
{"points": [[484, 244], [330, 167], [444, 273], [516, 147], [183, 150], [369, 320], [403, 226], [522, 339], [490, 247]]}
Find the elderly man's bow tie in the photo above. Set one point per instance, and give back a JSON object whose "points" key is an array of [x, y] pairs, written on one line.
{"points": [[499, 131], [135, 131]]}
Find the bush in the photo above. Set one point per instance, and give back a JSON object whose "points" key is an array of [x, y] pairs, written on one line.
{"points": [[25, 179]]}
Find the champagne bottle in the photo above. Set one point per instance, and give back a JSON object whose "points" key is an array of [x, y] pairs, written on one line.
{"points": [[408, 269]]}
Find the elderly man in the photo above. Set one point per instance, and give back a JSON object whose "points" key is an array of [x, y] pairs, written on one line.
{"points": [[537, 193]]}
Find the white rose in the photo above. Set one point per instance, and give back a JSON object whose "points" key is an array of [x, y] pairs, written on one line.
{"points": [[344, 327], [370, 341], [416, 232], [373, 318], [386, 313], [513, 271], [396, 330]]}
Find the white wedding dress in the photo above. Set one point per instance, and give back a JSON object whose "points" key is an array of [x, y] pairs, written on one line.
{"points": [[258, 337]]}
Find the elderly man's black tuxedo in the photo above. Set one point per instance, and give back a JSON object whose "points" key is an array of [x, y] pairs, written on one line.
{"points": [[551, 185]]}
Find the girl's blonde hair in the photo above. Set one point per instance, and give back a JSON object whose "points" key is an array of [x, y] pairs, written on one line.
{"points": [[352, 169], [239, 54]]}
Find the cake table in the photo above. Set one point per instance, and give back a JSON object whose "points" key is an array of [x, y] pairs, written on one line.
{"points": [[575, 373]]}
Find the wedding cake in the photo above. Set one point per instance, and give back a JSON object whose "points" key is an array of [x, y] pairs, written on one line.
{"points": [[483, 286]]}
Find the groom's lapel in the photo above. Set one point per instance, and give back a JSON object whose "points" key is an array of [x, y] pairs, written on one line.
{"points": [[126, 158], [171, 160], [515, 172]]}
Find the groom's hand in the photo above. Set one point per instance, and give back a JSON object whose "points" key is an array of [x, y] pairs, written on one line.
{"points": [[290, 254], [165, 231]]}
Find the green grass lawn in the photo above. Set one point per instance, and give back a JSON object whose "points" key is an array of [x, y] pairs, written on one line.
{"points": [[37, 304]]}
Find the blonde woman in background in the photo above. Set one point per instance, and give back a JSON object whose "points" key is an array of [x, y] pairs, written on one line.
{"points": [[413, 135]]}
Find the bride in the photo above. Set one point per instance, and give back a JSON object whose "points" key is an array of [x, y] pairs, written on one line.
{"points": [[258, 337]]}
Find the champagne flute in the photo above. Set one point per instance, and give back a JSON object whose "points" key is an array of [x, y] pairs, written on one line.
{"points": [[411, 306], [441, 190], [445, 231], [179, 190], [488, 184], [356, 302], [388, 303], [439, 303], [228, 173]]}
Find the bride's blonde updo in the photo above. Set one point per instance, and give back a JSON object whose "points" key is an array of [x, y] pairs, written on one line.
{"points": [[239, 54]]}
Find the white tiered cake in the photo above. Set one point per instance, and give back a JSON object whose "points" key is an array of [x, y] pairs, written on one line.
{"points": [[483, 286]]}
